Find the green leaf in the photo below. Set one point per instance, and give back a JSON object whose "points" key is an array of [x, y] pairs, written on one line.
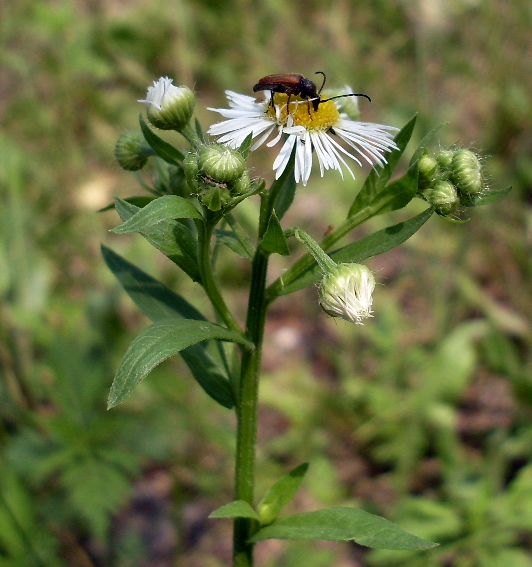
{"points": [[138, 201], [426, 141], [157, 343], [286, 192], [486, 198], [239, 232], [152, 297], [380, 175], [274, 240], [164, 208], [367, 247], [280, 494], [245, 147], [235, 509], [158, 302], [163, 149], [230, 239], [172, 237], [343, 524]]}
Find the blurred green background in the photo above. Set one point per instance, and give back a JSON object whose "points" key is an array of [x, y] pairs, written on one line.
{"points": [[423, 415]]}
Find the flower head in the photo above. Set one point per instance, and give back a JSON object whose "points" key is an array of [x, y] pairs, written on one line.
{"points": [[169, 107], [346, 292], [307, 130]]}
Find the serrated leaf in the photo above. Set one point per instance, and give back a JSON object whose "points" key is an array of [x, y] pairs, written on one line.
{"points": [[274, 240], [235, 509], [230, 239], [380, 175], [157, 343], [163, 149], [168, 207], [367, 247], [171, 237], [158, 303], [280, 494], [343, 524], [485, 198]]}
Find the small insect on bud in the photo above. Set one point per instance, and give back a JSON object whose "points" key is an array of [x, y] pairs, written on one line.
{"points": [[444, 196], [221, 163], [467, 172], [132, 151], [169, 107], [428, 167], [346, 292]]}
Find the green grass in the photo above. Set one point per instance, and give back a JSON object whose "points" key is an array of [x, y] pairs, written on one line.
{"points": [[423, 415]]}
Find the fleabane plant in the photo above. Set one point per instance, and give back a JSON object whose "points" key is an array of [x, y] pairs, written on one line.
{"points": [[194, 193]]}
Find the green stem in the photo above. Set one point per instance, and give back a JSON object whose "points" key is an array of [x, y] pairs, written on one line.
{"points": [[248, 395], [247, 410], [208, 281]]}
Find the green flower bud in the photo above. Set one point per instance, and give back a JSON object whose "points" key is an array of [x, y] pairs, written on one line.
{"points": [[445, 158], [169, 107], [191, 169], [428, 167], [346, 292], [221, 163], [132, 151], [212, 195], [241, 185], [444, 196], [467, 172]]}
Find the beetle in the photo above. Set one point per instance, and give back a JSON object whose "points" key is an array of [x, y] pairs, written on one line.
{"points": [[296, 84]]}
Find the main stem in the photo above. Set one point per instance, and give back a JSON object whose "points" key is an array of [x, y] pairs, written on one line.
{"points": [[247, 407]]}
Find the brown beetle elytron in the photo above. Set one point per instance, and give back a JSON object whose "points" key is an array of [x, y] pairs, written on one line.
{"points": [[295, 84]]}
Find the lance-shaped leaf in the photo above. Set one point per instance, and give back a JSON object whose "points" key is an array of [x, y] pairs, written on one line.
{"points": [[343, 524], [164, 208], [163, 149], [235, 509], [157, 343], [380, 175], [158, 302], [484, 198], [280, 494], [367, 247], [171, 237], [274, 240]]}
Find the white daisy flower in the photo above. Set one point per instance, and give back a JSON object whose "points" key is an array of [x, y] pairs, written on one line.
{"points": [[310, 131]]}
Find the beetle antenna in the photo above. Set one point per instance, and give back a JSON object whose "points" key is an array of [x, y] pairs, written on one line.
{"points": [[343, 95], [324, 79]]}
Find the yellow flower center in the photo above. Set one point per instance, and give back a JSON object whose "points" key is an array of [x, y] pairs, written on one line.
{"points": [[303, 114]]}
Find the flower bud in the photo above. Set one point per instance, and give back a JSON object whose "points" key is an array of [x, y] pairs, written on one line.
{"points": [[428, 167], [445, 158], [132, 151], [221, 163], [241, 185], [212, 195], [191, 170], [169, 107], [346, 292], [444, 196], [467, 172]]}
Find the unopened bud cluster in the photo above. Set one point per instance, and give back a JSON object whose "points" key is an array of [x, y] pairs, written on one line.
{"points": [[216, 173], [450, 179]]}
